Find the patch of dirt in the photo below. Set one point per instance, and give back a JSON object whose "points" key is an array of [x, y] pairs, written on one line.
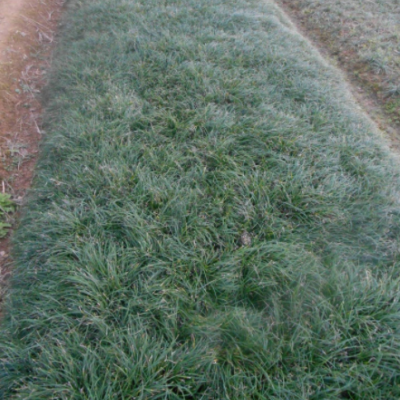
{"points": [[365, 86], [27, 31]]}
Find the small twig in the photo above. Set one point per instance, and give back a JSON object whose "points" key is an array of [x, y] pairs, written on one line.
{"points": [[37, 127], [35, 22], [49, 38]]}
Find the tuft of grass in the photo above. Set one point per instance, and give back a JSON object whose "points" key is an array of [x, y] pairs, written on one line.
{"points": [[212, 217], [7, 206]]}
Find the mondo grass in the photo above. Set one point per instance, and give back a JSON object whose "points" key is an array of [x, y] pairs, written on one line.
{"points": [[212, 217]]}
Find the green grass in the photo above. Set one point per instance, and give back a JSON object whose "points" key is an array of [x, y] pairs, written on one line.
{"points": [[212, 217], [7, 206]]}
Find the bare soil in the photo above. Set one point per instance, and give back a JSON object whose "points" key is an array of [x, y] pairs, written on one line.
{"points": [[27, 31]]}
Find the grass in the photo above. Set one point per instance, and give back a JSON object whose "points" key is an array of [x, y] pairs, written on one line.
{"points": [[366, 37], [212, 217], [7, 206]]}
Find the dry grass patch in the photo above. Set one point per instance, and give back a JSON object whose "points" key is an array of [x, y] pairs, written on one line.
{"points": [[365, 37]]}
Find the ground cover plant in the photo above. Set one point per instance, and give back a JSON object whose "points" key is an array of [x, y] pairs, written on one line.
{"points": [[212, 218], [7, 206], [365, 36]]}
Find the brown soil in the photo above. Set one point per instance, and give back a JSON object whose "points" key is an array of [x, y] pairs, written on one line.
{"points": [[364, 85], [27, 29]]}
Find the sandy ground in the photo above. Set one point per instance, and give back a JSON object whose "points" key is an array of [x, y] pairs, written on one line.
{"points": [[27, 36], [9, 12]]}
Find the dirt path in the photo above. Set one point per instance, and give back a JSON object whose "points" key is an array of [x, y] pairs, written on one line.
{"points": [[27, 29], [9, 11]]}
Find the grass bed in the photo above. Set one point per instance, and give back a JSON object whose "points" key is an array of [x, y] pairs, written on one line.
{"points": [[212, 217]]}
